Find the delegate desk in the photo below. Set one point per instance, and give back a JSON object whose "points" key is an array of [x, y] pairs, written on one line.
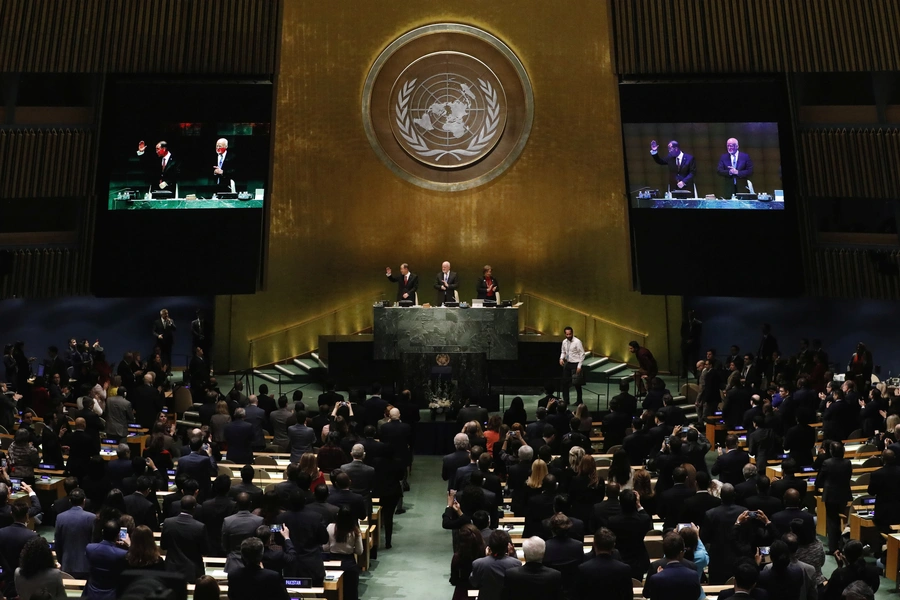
{"points": [[493, 332]]}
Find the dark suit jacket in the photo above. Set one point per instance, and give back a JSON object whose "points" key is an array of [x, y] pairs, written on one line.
{"points": [[532, 581], [745, 171], [170, 174], [373, 410], [630, 530], [452, 462], [671, 502], [356, 503], [602, 572], [844, 576], [838, 421], [693, 509], [675, 582], [767, 504], [229, 172], [185, 541], [779, 487], [362, 477], [729, 466], [603, 511], [409, 287], [481, 288], [235, 529], [783, 518], [213, 513], [146, 402], [396, 435], [256, 416], [717, 538], [799, 442], [452, 284], [539, 507], [834, 480], [107, 563], [166, 331], [472, 412], [200, 467], [253, 582], [82, 446], [885, 486], [240, 437], [143, 511], [683, 173]]}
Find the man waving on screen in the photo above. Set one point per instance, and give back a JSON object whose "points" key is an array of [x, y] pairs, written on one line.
{"points": [[682, 166], [163, 169]]}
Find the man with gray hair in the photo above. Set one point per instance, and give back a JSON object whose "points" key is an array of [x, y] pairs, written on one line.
{"points": [[225, 168], [256, 416], [533, 579], [362, 476], [239, 435], [747, 488], [735, 167], [119, 469], [147, 402], [458, 458]]}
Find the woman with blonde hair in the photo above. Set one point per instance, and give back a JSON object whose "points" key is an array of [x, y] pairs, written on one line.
{"points": [[533, 484], [585, 419], [310, 466], [575, 456]]}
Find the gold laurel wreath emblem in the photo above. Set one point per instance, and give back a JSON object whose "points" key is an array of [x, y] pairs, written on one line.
{"points": [[417, 142]]}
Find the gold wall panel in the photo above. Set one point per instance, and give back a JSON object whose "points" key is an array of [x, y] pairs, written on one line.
{"points": [[555, 224]]}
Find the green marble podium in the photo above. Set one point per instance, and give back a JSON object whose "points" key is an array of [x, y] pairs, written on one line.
{"points": [[493, 332]]}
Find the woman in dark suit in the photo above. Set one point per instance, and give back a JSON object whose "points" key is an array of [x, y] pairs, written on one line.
{"points": [[487, 287]]}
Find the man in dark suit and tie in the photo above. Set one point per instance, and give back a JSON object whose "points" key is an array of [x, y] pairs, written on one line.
{"points": [[730, 463], [224, 169], [792, 511], [162, 167], [342, 496], [834, 481], [164, 336], [138, 506], [717, 535], [251, 580], [603, 572], [362, 476], [407, 283], [533, 579], [184, 540], [12, 541], [446, 284], [675, 581], [682, 166], [735, 167], [200, 332], [199, 465], [240, 436]]}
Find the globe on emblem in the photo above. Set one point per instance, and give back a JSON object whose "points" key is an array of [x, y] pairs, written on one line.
{"points": [[449, 110]]}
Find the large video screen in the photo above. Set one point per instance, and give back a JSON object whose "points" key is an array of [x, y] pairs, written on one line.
{"points": [[165, 165], [182, 179], [704, 165], [710, 171]]}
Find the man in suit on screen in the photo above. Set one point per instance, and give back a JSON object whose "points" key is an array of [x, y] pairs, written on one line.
{"points": [[407, 283], [446, 283], [682, 166], [735, 167], [224, 169], [164, 169]]}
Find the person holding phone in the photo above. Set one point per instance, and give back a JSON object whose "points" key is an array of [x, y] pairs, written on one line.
{"points": [[107, 561]]}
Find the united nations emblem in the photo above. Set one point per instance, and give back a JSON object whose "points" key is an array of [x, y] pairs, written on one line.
{"points": [[447, 107], [442, 360], [451, 113]]}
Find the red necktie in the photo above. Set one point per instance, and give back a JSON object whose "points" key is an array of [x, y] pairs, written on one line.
{"points": [[406, 280]]}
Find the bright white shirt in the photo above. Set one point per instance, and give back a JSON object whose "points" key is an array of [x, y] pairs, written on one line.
{"points": [[572, 352]]}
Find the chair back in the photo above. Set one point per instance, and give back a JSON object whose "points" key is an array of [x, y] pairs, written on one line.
{"points": [[265, 460], [183, 400]]}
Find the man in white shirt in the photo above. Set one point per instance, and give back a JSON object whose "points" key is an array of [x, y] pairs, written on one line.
{"points": [[224, 167], [570, 358]]}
